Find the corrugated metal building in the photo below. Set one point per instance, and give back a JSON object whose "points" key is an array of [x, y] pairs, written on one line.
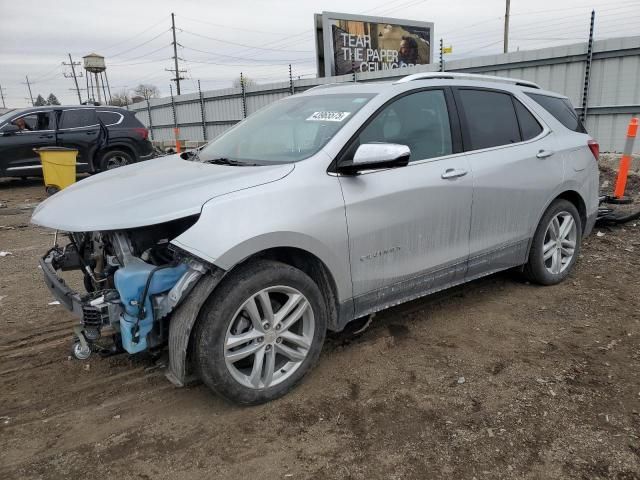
{"points": [[614, 91]]}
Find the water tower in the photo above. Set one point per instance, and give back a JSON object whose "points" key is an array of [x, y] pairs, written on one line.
{"points": [[94, 63]]}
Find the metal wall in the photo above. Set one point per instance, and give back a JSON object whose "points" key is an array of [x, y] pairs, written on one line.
{"points": [[614, 90]]}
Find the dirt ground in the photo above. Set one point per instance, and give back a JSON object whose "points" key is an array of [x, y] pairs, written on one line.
{"points": [[495, 379]]}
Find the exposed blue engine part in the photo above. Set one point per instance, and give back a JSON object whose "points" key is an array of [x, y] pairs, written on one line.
{"points": [[130, 282]]}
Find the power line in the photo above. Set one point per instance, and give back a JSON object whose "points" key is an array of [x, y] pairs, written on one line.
{"points": [[141, 44], [123, 60], [164, 59], [135, 36], [409, 4], [251, 64], [229, 27], [536, 25], [240, 58], [49, 77], [241, 44]]}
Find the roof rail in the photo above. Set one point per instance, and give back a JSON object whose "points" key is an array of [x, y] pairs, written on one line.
{"points": [[328, 85], [465, 76]]}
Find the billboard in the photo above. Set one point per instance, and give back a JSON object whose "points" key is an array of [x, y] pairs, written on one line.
{"points": [[357, 43]]}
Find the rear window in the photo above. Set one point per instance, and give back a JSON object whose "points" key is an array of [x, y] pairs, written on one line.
{"points": [[561, 109], [490, 117], [109, 118], [131, 121], [529, 126]]}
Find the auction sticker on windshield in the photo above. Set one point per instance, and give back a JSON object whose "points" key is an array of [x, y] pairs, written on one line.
{"points": [[328, 116]]}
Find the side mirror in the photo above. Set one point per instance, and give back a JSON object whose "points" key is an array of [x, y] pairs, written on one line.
{"points": [[10, 129], [374, 156]]}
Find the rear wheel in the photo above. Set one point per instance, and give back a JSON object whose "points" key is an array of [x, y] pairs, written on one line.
{"points": [[114, 159], [556, 244], [260, 332]]}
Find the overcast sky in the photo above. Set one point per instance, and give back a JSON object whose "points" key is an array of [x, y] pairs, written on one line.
{"points": [[217, 38]]}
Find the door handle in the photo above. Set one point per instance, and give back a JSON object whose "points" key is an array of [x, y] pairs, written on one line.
{"points": [[46, 136], [454, 173], [544, 153]]}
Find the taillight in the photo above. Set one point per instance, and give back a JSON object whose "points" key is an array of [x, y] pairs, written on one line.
{"points": [[595, 148], [143, 132]]}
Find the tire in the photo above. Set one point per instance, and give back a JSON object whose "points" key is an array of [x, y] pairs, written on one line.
{"points": [[225, 318], [556, 267], [113, 159]]}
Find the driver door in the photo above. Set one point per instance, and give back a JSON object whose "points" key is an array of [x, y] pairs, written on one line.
{"points": [[409, 226], [16, 148]]}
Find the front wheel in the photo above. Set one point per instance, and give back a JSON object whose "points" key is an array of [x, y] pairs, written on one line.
{"points": [[556, 244], [260, 332]]}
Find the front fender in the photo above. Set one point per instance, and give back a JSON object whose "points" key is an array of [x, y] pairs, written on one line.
{"points": [[260, 243], [303, 213]]}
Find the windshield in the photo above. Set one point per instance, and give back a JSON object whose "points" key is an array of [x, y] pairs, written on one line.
{"points": [[286, 131], [7, 115]]}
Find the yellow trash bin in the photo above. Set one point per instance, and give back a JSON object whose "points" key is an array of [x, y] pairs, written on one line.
{"points": [[58, 167]]}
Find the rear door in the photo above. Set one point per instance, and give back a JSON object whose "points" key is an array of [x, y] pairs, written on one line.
{"points": [[515, 170], [17, 156], [79, 128], [409, 227]]}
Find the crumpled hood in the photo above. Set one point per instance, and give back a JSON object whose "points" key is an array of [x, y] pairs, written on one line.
{"points": [[147, 193]]}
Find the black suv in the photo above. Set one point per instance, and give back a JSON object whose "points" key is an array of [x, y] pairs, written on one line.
{"points": [[105, 137]]}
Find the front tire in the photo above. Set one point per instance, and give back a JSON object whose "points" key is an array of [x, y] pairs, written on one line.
{"points": [[556, 244], [260, 332]]}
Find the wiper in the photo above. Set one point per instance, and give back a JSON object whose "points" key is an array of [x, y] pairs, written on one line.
{"points": [[228, 161]]}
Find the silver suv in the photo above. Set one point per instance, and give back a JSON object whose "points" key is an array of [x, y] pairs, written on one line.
{"points": [[322, 208]]}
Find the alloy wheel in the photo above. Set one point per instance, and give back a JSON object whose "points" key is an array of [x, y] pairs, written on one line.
{"points": [[117, 161], [269, 337], [559, 243]]}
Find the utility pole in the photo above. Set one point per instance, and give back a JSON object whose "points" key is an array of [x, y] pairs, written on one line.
{"points": [[33, 104], [506, 27], [2, 96], [73, 74], [176, 70]]}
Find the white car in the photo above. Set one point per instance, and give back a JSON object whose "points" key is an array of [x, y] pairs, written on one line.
{"points": [[319, 209]]}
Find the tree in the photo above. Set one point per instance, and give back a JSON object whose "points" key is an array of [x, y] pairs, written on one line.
{"points": [[121, 99], [40, 101], [147, 91], [52, 100], [248, 82]]}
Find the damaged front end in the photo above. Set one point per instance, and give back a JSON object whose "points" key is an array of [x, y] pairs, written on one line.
{"points": [[134, 280]]}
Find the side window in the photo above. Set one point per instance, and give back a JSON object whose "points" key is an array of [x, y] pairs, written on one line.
{"points": [[34, 122], [110, 118], [81, 117], [529, 126], [490, 117], [419, 120], [561, 109]]}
